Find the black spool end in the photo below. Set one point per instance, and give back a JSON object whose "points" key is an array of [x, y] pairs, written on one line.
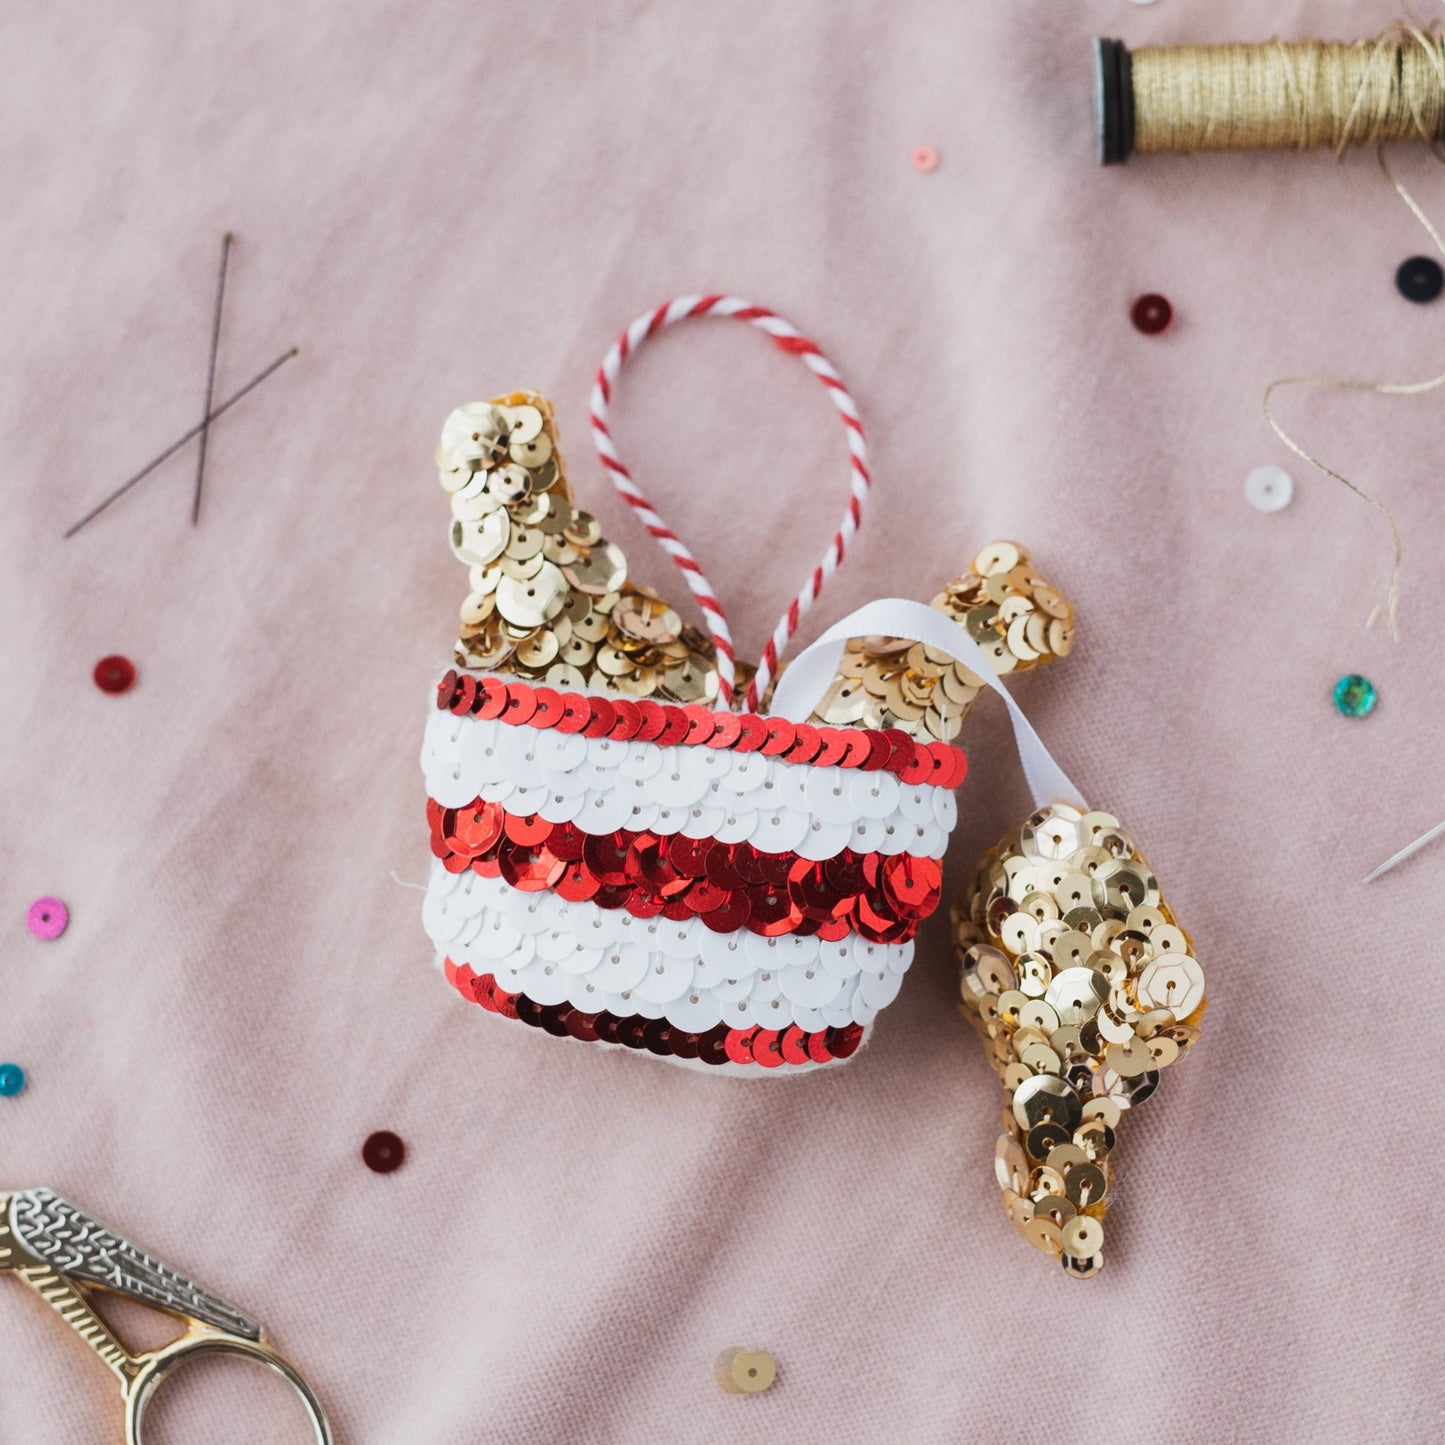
{"points": [[1113, 101]]}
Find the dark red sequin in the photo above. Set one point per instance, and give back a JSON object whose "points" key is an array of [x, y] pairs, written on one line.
{"points": [[114, 674], [1151, 314], [383, 1152], [464, 694]]}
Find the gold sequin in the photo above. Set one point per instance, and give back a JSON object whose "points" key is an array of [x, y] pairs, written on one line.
{"points": [[1011, 1166], [1043, 1233], [744, 1372], [1082, 1237]]}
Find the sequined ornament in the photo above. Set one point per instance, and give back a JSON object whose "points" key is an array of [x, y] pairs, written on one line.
{"points": [[1083, 988], [619, 860]]}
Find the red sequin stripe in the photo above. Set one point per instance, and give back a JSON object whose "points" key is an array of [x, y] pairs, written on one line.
{"points": [[728, 885], [719, 1045], [624, 718]]}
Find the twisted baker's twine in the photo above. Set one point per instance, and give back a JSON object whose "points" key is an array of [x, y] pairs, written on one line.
{"points": [[788, 338]]}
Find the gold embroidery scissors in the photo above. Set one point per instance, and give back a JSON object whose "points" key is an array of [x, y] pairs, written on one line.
{"points": [[62, 1254]]}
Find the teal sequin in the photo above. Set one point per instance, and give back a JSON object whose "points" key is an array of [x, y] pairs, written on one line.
{"points": [[12, 1079], [1355, 696]]}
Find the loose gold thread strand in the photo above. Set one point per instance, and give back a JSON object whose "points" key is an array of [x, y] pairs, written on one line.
{"points": [[1331, 383], [1410, 201], [1290, 96], [1381, 388]]}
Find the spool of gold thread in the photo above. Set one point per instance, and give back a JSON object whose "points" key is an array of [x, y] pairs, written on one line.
{"points": [[1275, 96]]}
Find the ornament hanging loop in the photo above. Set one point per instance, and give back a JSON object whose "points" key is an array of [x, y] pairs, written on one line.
{"points": [[787, 338]]}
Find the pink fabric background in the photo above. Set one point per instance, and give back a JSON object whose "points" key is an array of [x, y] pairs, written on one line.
{"points": [[441, 201]]}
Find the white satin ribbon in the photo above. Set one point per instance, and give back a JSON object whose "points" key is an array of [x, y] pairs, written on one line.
{"points": [[809, 674]]}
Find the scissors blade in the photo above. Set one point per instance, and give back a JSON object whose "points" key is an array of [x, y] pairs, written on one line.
{"points": [[70, 1242]]}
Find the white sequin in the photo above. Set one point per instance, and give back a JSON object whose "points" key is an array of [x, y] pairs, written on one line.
{"points": [[1269, 488]]}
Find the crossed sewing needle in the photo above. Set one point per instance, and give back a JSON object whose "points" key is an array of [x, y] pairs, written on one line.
{"points": [[202, 427]]}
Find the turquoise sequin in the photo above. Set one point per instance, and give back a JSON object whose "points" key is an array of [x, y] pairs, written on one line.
{"points": [[1355, 696]]}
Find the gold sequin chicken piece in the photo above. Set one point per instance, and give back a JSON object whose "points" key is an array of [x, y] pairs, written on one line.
{"points": [[892, 682], [550, 599], [1083, 987]]}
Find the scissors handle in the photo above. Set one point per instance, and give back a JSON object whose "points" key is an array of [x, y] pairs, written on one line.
{"points": [[62, 1254], [71, 1305], [201, 1340]]}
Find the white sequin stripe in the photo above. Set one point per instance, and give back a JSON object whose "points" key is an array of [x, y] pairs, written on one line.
{"points": [[603, 785], [558, 951]]}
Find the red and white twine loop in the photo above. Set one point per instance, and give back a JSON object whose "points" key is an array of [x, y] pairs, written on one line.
{"points": [[789, 339]]}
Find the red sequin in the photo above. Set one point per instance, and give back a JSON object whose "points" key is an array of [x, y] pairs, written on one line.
{"points": [[114, 674], [491, 698]]}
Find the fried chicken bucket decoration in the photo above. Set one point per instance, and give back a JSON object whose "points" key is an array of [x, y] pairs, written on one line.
{"points": [[641, 843]]}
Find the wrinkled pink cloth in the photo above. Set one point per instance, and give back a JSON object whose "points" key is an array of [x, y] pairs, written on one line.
{"points": [[438, 202]]}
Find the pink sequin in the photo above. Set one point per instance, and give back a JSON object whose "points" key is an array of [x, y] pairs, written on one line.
{"points": [[47, 918]]}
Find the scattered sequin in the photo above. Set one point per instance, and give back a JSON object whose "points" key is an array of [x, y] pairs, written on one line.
{"points": [[47, 918], [1420, 278], [1269, 488], [115, 674], [1355, 696], [12, 1079], [744, 1372], [925, 158], [383, 1152], [1151, 314]]}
